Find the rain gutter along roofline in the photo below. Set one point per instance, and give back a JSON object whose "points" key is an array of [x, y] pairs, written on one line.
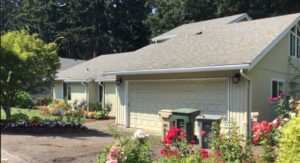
{"points": [[180, 70]]}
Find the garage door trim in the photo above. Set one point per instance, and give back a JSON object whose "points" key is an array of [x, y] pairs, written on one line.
{"points": [[126, 115]]}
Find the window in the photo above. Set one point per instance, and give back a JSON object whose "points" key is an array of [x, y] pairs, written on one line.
{"points": [[277, 87], [100, 94], [295, 42], [67, 91]]}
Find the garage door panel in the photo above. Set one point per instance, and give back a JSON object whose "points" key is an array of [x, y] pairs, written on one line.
{"points": [[147, 98]]}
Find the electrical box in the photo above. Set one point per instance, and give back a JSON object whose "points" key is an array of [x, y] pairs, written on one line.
{"points": [[205, 123], [184, 118]]}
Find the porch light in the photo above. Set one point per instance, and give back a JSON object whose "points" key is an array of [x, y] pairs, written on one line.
{"points": [[119, 81], [236, 78]]}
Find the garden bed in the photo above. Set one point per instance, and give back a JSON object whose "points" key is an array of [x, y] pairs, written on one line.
{"points": [[53, 126]]}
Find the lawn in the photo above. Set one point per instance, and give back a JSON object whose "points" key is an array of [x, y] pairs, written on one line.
{"points": [[30, 113]]}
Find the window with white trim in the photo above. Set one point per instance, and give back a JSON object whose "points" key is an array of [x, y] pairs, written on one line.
{"points": [[277, 87], [67, 91], [295, 41]]}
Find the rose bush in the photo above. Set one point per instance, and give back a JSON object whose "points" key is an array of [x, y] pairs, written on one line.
{"points": [[178, 149], [128, 150], [268, 133]]}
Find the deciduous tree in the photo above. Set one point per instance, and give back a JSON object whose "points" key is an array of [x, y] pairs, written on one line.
{"points": [[26, 63]]}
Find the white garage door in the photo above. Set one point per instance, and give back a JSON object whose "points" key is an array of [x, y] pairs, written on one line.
{"points": [[146, 98]]}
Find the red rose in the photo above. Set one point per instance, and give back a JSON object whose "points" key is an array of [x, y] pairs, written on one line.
{"points": [[193, 141], [170, 153], [270, 99], [163, 152], [203, 132], [218, 153], [204, 153], [264, 123]]}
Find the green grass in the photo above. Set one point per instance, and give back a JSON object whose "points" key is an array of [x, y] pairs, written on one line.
{"points": [[31, 113]]}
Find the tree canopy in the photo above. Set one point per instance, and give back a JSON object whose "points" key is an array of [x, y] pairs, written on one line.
{"points": [[84, 29], [26, 63]]}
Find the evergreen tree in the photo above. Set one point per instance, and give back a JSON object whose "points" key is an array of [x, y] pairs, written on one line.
{"points": [[166, 14], [8, 14], [125, 22]]}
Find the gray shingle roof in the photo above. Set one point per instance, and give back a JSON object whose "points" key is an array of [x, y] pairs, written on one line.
{"points": [[202, 26], [66, 63], [231, 44]]}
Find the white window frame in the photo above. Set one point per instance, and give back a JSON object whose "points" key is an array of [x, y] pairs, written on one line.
{"points": [[297, 40], [277, 80]]}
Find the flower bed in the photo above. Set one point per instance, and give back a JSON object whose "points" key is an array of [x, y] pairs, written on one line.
{"points": [[46, 126]]}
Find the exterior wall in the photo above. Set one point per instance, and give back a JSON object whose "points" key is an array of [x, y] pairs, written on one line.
{"points": [[58, 90], [238, 95], [93, 92], [110, 96], [78, 92], [274, 65]]}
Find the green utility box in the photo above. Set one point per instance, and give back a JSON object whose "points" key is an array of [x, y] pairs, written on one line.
{"points": [[184, 118]]}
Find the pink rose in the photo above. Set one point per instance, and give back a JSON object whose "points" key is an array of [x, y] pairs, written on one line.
{"points": [[203, 132], [281, 94]]}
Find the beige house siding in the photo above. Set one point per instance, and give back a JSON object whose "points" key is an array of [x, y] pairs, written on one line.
{"points": [[78, 92], [93, 92], [237, 93], [110, 96], [58, 90], [120, 105], [275, 65]]}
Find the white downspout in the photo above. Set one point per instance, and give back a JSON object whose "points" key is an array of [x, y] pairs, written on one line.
{"points": [[249, 104]]}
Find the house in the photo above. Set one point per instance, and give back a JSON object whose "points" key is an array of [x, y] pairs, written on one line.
{"points": [[86, 82], [228, 66], [65, 63]]}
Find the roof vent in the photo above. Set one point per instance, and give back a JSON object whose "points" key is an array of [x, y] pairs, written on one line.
{"points": [[199, 33]]}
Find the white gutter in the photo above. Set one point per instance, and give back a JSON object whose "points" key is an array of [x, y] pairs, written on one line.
{"points": [[161, 38], [105, 80], [68, 80], [249, 103], [180, 70]]}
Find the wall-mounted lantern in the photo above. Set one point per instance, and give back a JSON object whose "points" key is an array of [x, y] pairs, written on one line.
{"points": [[119, 81], [236, 78]]}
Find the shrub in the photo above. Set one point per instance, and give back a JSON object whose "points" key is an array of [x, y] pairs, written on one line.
{"points": [[23, 100], [36, 119], [19, 116], [289, 142], [114, 130], [107, 108], [229, 144], [178, 149], [95, 107], [100, 115], [58, 108], [43, 101], [128, 150]]}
